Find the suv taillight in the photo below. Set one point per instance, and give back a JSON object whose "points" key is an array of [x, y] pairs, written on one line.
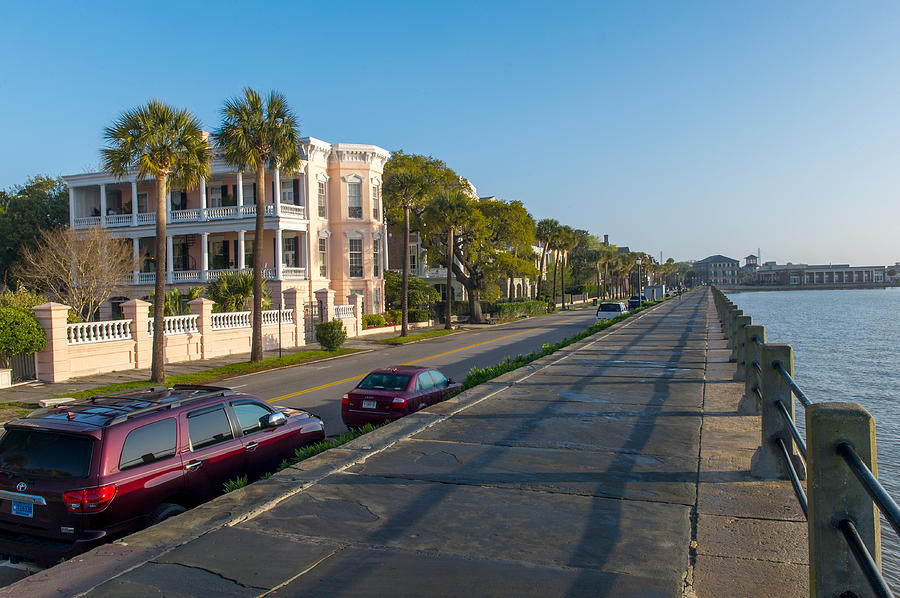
{"points": [[89, 500]]}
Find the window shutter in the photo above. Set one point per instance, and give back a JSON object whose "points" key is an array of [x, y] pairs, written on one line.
{"points": [[273, 192], [225, 253], [296, 183], [254, 192]]}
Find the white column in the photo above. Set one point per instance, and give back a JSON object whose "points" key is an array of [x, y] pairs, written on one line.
{"points": [[240, 191], [277, 199], [170, 263], [203, 199], [204, 239], [136, 255], [102, 205], [278, 253], [134, 203], [240, 250], [72, 208]]}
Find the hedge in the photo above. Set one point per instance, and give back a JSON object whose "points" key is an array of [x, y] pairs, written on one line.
{"points": [[373, 320], [505, 311]]}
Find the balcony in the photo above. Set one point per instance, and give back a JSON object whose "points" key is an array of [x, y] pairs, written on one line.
{"points": [[194, 215], [204, 276]]}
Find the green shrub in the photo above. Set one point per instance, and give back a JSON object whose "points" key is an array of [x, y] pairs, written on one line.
{"points": [[21, 298], [331, 335], [506, 311], [372, 320], [20, 332], [234, 484], [392, 316], [419, 315]]}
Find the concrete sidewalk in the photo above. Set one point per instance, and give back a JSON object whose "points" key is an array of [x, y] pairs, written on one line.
{"points": [[615, 467]]}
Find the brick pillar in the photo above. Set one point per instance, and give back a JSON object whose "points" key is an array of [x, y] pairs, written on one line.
{"points": [[357, 302], [203, 308], [325, 297], [138, 312], [53, 362], [293, 302]]}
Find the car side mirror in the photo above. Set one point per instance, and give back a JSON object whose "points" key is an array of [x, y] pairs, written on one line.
{"points": [[276, 419], [450, 381]]}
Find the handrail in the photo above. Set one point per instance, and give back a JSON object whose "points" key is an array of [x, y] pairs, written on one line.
{"points": [[795, 479], [864, 559], [801, 396], [801, 444], [880, 496]]}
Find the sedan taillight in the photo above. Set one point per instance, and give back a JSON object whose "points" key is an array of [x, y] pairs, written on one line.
{"points": [[89, 500], [398, 403], [345, 400]]}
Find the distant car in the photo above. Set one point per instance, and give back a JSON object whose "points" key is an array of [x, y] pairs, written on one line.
{"points": [[635, 302], [611, 309], [390, 393], [88, 472]]}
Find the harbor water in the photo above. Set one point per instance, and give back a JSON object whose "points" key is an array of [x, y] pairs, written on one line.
{"points": [[845, 346]]}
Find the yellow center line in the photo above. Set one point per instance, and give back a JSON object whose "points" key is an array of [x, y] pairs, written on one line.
{"points": [[357, 377]]}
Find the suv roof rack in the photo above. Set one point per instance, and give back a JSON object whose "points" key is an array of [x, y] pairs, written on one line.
{"points": [[203, 392]]}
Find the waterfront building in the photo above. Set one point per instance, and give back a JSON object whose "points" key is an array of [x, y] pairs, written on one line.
{"points": [[323, 224], [773, 274], [718, 270]]}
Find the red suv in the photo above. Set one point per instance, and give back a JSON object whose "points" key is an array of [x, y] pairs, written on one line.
{"points": [[84, 473], [391, 393]]}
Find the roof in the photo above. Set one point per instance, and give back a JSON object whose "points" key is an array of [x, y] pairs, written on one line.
{"points": [[400, 369], [717, 258]]}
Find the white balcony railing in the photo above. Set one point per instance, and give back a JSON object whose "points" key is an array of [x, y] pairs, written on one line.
{"points": [[187, 276], [145, 278], [270, 317], [237, 319], [195, 215], [343, 311], [293, 273], [98, 332]]}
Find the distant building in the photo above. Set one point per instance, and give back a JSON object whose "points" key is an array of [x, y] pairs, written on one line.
{"points": [[751, 265], [717, 269], [772, 274]]}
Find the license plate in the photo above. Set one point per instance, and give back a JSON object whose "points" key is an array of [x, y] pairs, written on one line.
{"points": [[22, 509], [370, 404]]}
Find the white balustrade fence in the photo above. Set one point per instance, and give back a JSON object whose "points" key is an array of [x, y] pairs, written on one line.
{"points": [[235, 319], [270, 317], [118, 220], [176, 324], [98, 332], [343, 311]]}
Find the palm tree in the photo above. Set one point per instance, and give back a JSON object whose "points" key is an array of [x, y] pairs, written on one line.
{"points": [[405, 188], [452, 209], [259, 132], [232, 290], [543, 232], [567, 242], [169, 145]]}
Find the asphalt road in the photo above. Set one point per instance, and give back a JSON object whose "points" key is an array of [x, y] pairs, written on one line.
{"points": [[318, 387]]}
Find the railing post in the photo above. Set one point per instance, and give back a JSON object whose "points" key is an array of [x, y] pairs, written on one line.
{"points": [[202, 307], [293, 302], [767, 462], [740, 341], [749, 404], [52, 364], [732, 331], [138, 311], [835, 494]]}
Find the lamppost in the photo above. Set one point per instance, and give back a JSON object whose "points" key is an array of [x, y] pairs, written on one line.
{"points": [[640, 284]]}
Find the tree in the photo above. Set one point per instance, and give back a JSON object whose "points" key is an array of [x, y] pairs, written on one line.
{"points": [[233, 291], [419, 292], [406, 189], [169, 145], [42, 203], [78, 268], [176, 302], [512, 227], [567, 239], [258, 133], [544, 231], [20, 332], [446, 213]]}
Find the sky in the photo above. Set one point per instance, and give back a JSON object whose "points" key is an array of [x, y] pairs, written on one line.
{"points": [[677, 128]]}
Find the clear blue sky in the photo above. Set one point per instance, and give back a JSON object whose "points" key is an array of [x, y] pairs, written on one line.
{"points": [[691, 128]]}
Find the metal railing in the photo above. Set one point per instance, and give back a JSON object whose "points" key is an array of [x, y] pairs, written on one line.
{"points": [[838, 453]]}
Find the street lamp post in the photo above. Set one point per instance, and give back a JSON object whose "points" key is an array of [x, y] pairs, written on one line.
{"points": [[640, 284]]}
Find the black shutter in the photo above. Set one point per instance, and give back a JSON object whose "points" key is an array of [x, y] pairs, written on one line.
{"points": [[273, 191], [234, 193], [223, 190], [183, 200], [296, 192], [254, 193], [226, 254]]}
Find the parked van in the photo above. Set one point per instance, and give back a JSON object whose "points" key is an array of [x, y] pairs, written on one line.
{"points": [[610, 309]]}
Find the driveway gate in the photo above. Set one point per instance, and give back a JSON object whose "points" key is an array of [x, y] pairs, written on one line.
{"points": [[22, 366]]}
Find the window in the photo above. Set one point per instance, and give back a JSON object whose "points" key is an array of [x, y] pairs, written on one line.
{"points": [[209, 428], [356, 260], [179, 199], [413, 254], [376, 258], [377, 301], [287, 191], [321, 199], [424, 381], [289, 252], [251, 416], [149, 444], [249, 195], [376, 202], [439, 379], [248, 249], [354, 200], [143, 208], [46, 454], [385, 382], [323, 257]]}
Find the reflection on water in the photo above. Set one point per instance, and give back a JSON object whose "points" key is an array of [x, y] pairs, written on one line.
{"points": [[845, 349]]}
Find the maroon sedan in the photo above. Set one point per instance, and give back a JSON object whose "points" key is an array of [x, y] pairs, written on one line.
{"points": [[390, 393]]}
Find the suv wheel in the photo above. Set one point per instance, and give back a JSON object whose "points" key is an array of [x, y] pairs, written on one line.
{"points": [[163, 512]]}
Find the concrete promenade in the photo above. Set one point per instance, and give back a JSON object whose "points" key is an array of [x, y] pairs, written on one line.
{"points": [[615, 467]]}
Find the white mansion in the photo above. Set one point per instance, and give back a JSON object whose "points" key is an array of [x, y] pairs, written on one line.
{"points": [[324, 226]]}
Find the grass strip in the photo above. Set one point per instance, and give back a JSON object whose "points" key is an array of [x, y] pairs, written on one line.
{"points": [[402, 340], [219, 373]]}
